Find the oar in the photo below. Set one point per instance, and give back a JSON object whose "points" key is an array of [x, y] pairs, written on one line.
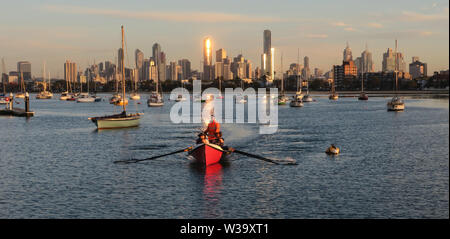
{"points": [[259, 157], [151, 158]]}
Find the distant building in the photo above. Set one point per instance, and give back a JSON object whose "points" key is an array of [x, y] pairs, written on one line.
{"points": [[317, 72], [185, 71], [223, 66], [238, 67], [24, 67], [173, 76], [305, 71], [159, 58], [221, 54], [417, 69], [389, 63], [344, 73], [139, 59], [364, 63], [347, 55], [207, 60], [267, 58]]}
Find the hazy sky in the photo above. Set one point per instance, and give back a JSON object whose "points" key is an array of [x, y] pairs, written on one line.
{"points": [[87, 31]]}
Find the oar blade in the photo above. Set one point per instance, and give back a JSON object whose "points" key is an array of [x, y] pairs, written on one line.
{"points": [[151, 158]]}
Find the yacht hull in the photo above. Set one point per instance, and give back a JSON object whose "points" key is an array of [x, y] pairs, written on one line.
{"points": [[116, 122]]}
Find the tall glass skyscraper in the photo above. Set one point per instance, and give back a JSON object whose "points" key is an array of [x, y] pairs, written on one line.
{"points": [[267, 58], [207, 60]]}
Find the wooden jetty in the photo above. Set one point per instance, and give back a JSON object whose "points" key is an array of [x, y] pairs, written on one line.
{"points": [[11, 111]]}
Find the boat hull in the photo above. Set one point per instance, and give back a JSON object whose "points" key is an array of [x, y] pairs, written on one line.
{"points": [[207, 154], [135, 97], [116, 122], [296, 104], [86, 100], [395, 107], [333, 97], [307, 98], [155, 104]]}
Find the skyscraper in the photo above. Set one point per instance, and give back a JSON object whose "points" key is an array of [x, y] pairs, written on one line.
{"points": [[220, 55], [364, 63], [173, 71], [417, 69], [207, 60], [347, 53], [185, 65], [306, 71], [160, 60], [389, 64], [267, 58], [24, 67], [139, 59]]}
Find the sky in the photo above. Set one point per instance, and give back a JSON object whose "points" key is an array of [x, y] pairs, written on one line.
{"points": [[85, 32]]}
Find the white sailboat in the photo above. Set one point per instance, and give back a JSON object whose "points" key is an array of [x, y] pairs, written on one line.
{"points": [[135, 95], [122, 120], [45, 94], [396, 103], [22, 92], [86, 97], [282, 99], [297, 99], [156, 99], [333, 95], [4, 98], [307, 97]]}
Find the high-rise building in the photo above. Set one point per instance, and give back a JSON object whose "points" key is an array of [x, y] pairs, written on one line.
{"points": [[347, 53], [70, 72], [139, 59], [267, 58], [389, 63], [160, 60], [364, 63], [185, 65], [173, 76], [248, 69], [24, 68], [417, 69], [306, 71], [220, 55], [238, 67], [207, 60], [346, 71]]}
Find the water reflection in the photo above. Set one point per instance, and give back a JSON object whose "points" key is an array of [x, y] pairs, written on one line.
{"points": [[212, 188]]}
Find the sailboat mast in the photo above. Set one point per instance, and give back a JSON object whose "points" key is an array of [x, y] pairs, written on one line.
{"points": [[298, 65], [3, 78], [49, 89], [123, 73], [282, 75], [395, 70]]}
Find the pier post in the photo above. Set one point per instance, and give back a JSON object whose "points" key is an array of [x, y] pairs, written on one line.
{"points": [[11, 101], [27, 102]]}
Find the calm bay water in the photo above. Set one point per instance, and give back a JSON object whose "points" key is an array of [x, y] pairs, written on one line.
{"points": [[392, 165]]}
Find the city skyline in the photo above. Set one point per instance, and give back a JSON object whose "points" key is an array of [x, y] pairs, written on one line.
{"points": [[91, 34]]}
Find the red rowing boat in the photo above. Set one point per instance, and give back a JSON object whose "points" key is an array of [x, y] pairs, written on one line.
{"points": [[208, 154]]}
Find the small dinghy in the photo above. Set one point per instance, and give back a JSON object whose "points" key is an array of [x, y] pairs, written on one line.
{"points": [[208, 154]]}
